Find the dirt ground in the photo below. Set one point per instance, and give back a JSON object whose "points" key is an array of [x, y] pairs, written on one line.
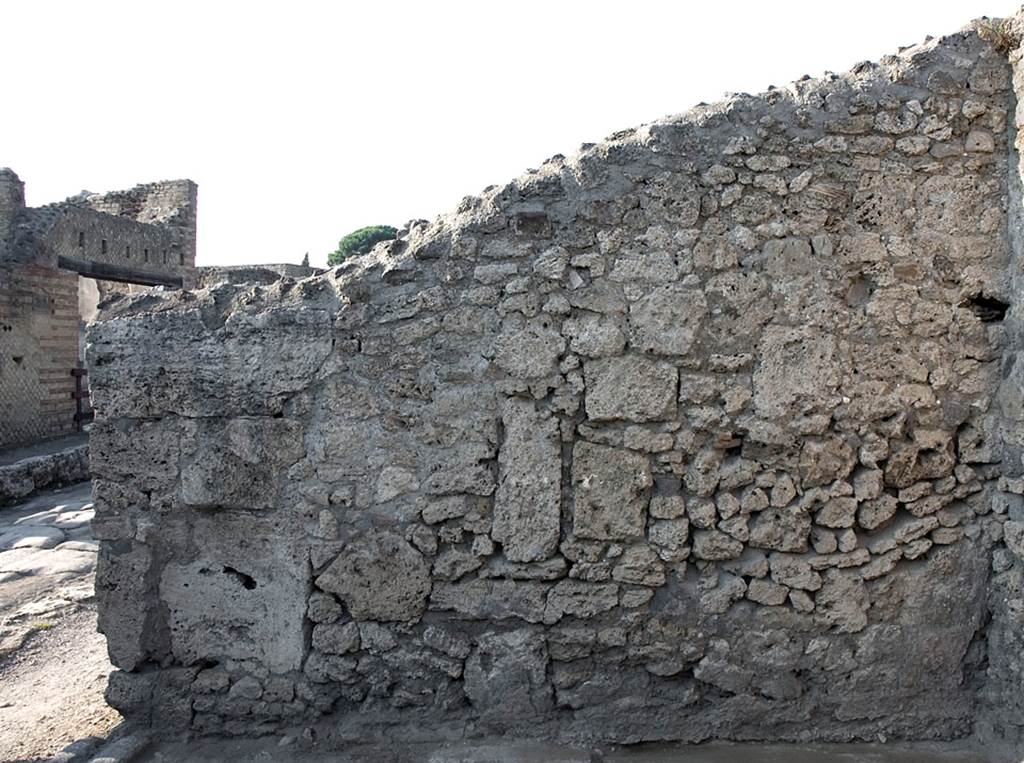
{"points": [[51, 690], [270, 751]]}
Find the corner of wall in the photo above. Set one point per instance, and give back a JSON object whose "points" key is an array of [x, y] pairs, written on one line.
{"points": [[1000, 719]]}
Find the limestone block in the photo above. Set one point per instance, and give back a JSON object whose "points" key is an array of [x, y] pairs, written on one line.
{"points": [[715, 546], [580, 599], [594, 335], [825, 460], [243, 597], [670, 536], [610, 487], [666, 320], [506, 674], [639, 565], [842, 602], [336, 638], [667, 506], [260, 360], [876, 512], [979, 141], [1013, 534], [528, 349], [930, 455], [393, 482], [702, 513], [379, 577], [794, 572], [781, 529], [797, 367], [729, 589], [837, 512], [126, 600], [482, 599], [867, 484], [323, 608], [528, 501], [766, 592], [881, 565], [144, 454], [631, 388], [461, 469], [237, 463], [453, 563], [823, 541]]}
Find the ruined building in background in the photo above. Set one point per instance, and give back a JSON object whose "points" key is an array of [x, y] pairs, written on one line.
{"points": [[55, 263], [712, 430], [262, 273]]}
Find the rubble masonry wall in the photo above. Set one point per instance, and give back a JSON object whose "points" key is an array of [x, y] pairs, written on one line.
{"points": [[697, 434]]}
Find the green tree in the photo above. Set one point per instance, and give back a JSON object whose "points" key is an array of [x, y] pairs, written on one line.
{"points": [[360, 242]]}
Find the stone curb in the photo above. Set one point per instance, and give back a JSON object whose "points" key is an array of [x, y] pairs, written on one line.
{"points": [[123, 745], [23, 478]]}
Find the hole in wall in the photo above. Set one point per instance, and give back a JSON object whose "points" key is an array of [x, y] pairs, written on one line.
{"points": [[18, 359], [246, 580], [988, 309]]}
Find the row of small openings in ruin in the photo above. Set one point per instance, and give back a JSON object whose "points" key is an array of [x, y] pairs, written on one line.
{"points": [[128, 250]]}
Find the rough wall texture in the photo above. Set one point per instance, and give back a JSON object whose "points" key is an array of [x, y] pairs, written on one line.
{"points": [[695, 434]]}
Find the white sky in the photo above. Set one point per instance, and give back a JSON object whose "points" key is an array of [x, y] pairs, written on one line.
{"points": [[302, 121]]}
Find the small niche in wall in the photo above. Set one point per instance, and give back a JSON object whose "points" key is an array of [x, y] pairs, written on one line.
{"points": [[18, 359], [181, 258], [145, 255], [165, 256], [103, 246], [81, 238], [988, 309], [127, 252]]}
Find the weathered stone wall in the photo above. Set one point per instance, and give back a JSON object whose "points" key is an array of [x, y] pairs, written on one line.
{"points": [[695, 434]]}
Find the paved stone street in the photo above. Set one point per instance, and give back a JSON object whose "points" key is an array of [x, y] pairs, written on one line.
{"points": [[47, 560], [53, 663]]}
